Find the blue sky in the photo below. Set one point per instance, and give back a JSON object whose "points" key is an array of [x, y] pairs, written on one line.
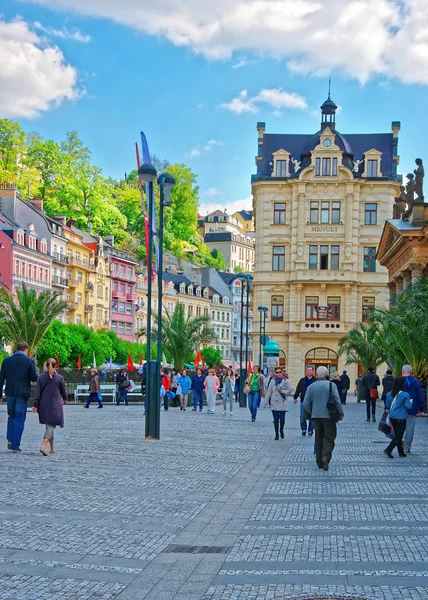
{"points": [[197, 83]]}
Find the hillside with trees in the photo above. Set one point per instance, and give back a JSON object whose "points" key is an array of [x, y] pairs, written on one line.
{"points": [[63, 174]]}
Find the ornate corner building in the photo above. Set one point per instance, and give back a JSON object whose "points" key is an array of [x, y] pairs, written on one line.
{"points": [[320, 204]]}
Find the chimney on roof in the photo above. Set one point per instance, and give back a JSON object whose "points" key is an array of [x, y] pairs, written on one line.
{"points": [[61, 219], [109, 239], [37, 202], [71, 222]]}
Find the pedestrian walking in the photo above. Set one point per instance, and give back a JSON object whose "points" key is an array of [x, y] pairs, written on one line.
{"points": [[94, 389], [387, 383], [49, 398], [184, 384], [301, 389], [277, 394], [174, 385], [229, 390], [212, 386], [339, 384], [413, 388], [104, 370], [198, 390], [370, 383], [346, 384], [317, 401], [255, 385], [398, 403], [18, 371], [122, 383], [166, 385], [237, 384]]}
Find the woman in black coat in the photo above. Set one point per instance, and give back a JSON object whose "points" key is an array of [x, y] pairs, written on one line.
{"points": [[48, 402]]}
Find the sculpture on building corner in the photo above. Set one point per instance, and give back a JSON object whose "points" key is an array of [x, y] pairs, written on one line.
{"points": [[419, 180], [296, 164], [356, 165], [400, 204]]}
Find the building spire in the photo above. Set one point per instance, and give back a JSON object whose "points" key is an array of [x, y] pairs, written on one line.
{"points": [[329, 87], [328, 110]]}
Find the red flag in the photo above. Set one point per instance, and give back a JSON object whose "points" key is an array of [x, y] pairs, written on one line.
{"points": [[141, 360], [203, 364], [250, 367], [79, 362], [130, 363], [198, 359]]}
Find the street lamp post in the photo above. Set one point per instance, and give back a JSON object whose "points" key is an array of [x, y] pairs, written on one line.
{"points": [[243, 369], [165, 181], [262, 311], [249, 279]]}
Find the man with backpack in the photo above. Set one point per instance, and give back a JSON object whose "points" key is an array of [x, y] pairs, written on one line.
{"points": [[323, 403], [370, 383]]}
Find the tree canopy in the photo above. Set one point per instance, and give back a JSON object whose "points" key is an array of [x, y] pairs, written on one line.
{"points": [[64, 175]]}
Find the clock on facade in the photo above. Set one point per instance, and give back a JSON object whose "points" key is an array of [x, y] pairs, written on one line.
{"points": [[327, 143]]}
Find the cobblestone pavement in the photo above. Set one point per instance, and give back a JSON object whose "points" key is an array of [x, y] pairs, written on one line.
{"points": [[216, 510]]}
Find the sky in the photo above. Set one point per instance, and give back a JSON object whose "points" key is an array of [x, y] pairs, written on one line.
{"points": [[197, 76]]}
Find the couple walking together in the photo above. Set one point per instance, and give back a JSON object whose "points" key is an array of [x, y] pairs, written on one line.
{"points": [[19, 371]]}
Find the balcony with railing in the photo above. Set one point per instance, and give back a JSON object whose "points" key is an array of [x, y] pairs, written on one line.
{"points": [[89, 286], [118, 295], [72, 282], [73, 306], [61, 258], [89, 307], [61, 281], [30, 281], [72, 260], [131, 297]]}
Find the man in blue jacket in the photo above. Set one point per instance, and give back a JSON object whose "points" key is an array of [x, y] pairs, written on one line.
{"points": [[19, 371], [413, 388]]}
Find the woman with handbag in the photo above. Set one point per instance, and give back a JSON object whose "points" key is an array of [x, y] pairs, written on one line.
{"points": [[277, 394], [184, 384], [371, 382], [212, 385], [122, 383], [229, 390], [255, 390], [94, 389], [398, 402], [49, 398]]}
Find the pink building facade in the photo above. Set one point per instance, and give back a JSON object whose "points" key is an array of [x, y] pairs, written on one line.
{"points": [[123, 291], [24, 257]]}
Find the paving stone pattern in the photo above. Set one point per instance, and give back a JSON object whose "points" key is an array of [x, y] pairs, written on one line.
{"points": [[216, 510]]}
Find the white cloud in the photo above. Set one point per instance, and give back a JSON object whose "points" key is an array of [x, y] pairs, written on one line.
{"points": [[64, 33], [200, 148], [276, 98], [231, 207], [241, 104], [361, 38], [242, 62], [212, 192], [33, 76]]}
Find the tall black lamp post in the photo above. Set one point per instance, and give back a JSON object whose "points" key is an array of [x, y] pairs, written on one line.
{"points": [[244, 369], [148, 173], [262, 311]]}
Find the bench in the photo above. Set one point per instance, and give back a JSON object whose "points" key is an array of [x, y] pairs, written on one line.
{"points": [[105, 390]]}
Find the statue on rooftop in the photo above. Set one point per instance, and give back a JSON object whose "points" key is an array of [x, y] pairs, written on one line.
{"points": [[419, 179], [356, 165], [400, 204], [410, 195]]}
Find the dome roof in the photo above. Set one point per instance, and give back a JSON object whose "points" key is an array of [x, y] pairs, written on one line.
{"points": [[329, 105]]}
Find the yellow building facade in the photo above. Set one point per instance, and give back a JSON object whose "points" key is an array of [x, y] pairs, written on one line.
{"points": [[320, 204], [80, 268]]}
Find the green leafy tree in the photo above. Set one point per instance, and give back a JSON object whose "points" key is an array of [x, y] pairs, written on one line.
{"points": [[181, 335], [362, 345], [212, 356], [12, 148], [47, 159], [30, 317], [404, 330], [56, 343]]}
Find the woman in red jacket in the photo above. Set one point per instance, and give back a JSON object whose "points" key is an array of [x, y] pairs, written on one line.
{"points": [[166, 383]]}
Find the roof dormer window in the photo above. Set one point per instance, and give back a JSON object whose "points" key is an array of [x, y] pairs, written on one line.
{"points": [[281, 164], [372, 161]]}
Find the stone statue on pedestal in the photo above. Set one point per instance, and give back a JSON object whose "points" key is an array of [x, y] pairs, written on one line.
{"points": [[410, 195], [419, 179], [400, 203]]}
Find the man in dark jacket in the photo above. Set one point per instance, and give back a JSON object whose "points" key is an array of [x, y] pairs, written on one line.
{"points": [[387, 383], [302, 386], [413, 388], [371, 382], [19, 371], [346, 384]]}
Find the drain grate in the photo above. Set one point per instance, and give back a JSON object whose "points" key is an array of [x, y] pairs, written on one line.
{"points": [[177, 549], [321, 598]]}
